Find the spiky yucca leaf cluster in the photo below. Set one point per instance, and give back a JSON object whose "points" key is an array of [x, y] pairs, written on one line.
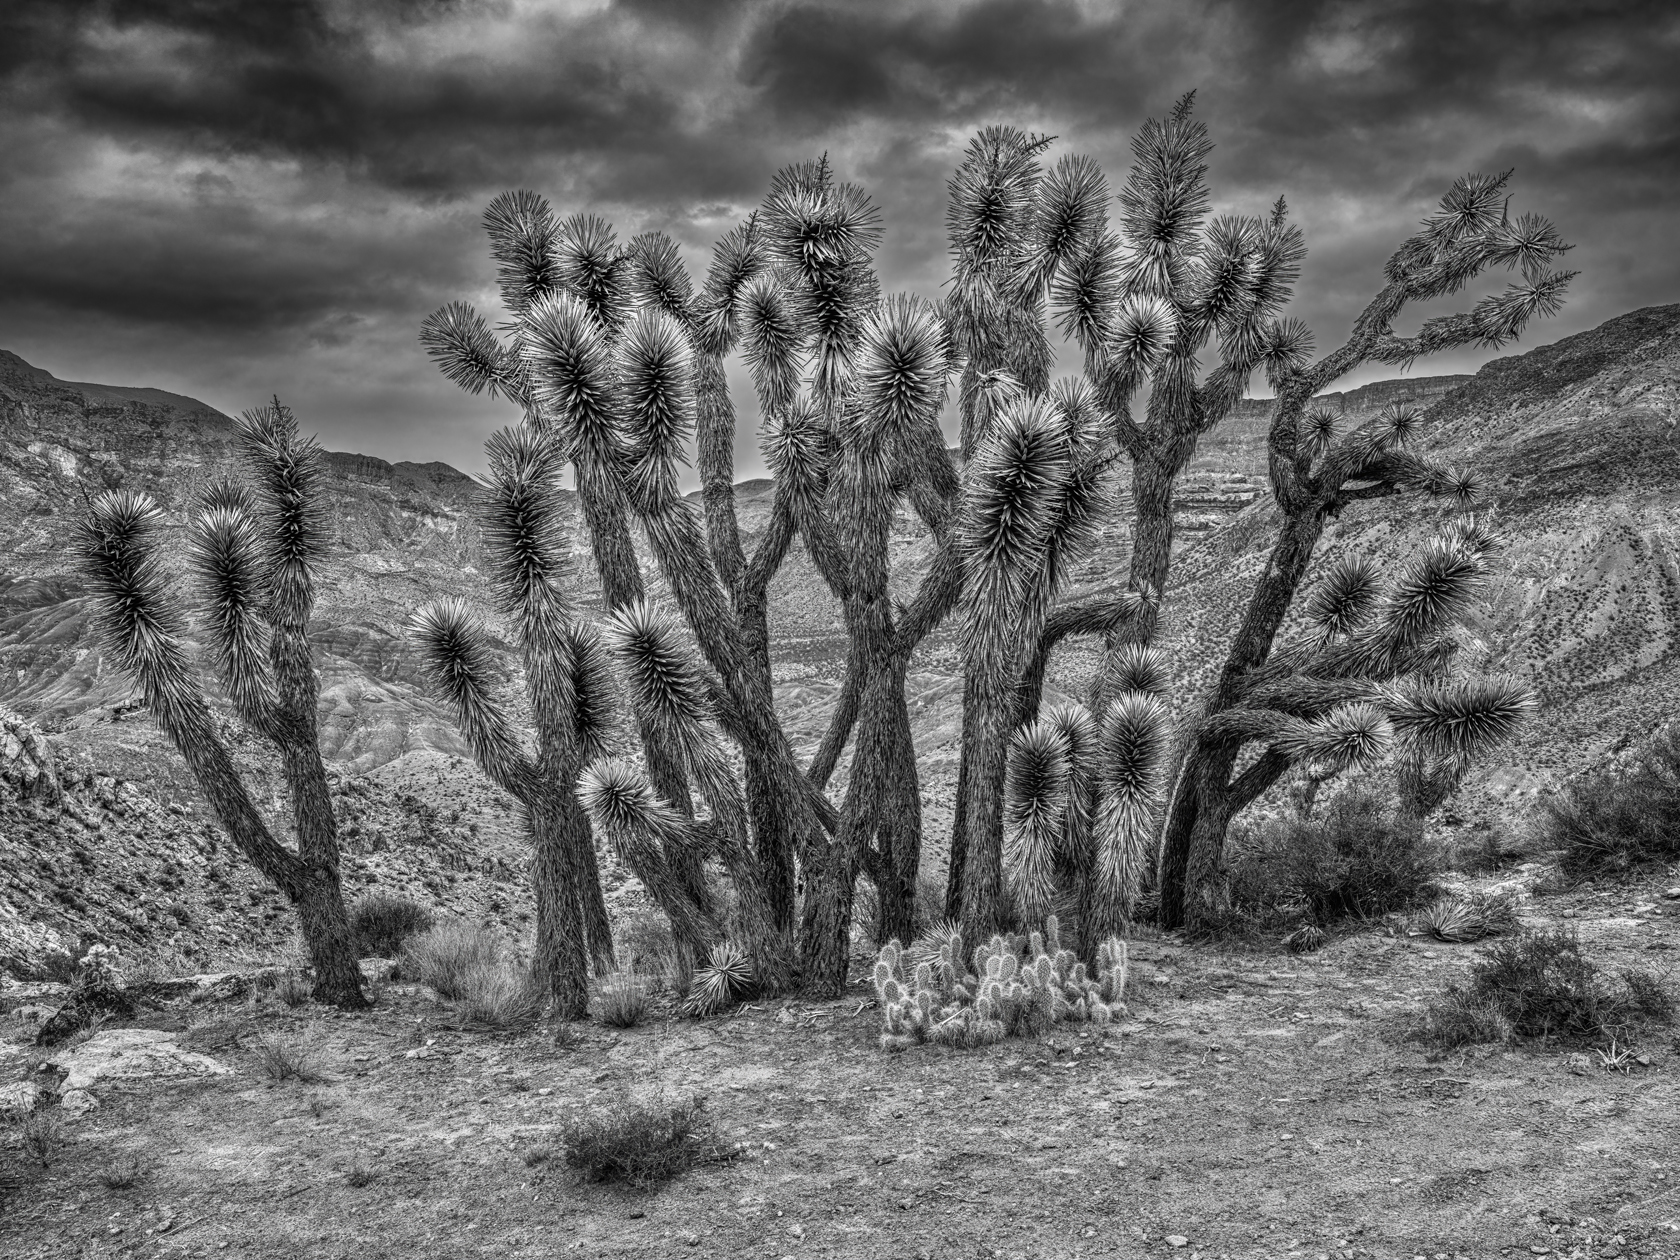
{"points": [[727, 978], [1082, 798], [1460, 917], [1019, 986]]}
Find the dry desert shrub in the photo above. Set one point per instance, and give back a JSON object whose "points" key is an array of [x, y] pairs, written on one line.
{"points": [[445, 956], [283, 1057], [382, 923], [499, 995], [622, 1000], [643, 1143]]}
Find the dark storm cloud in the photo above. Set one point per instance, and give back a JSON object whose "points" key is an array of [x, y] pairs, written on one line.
{"points": [[232, 190]]}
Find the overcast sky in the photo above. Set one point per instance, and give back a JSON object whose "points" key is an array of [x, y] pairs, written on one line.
{"points": [[231, 199]]}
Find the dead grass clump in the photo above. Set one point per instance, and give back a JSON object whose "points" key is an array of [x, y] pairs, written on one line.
{"points": [[1458, 1018], [383, 922], [42, 1135], [535, 1155], [1620, 818], [286, 1058], [499, 995], [359, 1175], [292, 989], [445, 956], [622, 1000], [643, 1143], [1651, 998], [122, 1172]]}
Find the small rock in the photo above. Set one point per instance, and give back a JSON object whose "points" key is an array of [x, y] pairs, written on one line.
{"points": [[1673, 894], [636, 1214], [19, 1099], [797, 1230], [419, 1052], [1578, 1065], [376, 969], [1177, 1240], [77, 1102]]}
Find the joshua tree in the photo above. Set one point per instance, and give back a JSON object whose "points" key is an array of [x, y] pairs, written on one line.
{"points": [[252, 551], [1143, 301], [568, 685], [1315, 473], [615, 360]]}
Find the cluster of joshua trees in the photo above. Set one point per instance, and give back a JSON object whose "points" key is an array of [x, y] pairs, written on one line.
{"points": [[653, 728]]}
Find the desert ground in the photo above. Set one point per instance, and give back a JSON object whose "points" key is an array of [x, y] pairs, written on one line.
{"points": [[1253, 1103]]}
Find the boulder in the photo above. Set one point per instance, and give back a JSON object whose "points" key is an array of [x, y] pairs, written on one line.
{"points": [[19, 1099], [131, 1054]]}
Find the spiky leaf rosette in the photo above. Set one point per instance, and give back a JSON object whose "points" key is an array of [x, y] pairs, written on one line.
{"points": [[657, 277], [773, 341], [1069, 213], [1011, 494], [465, 350], [1163, 201], [726, 978], [287, 474], [1473, 535], [594, 269], [1318, 431], [1435, 589], [1224, 274], [575, 379], [1286, 346], [990, 206], [1086, 293], [1456, 720], [737, 257], [668, 693], [137, 619], [799, 451], [658, 402], [1035, 812], [526, 557], [901, 362], [1139, 667], [1356, 734], [522, 232], [1132, 747], [594, 693], [1077, 730], [1345, 596], [632, 817], [225, 550], [1141, 334], [456, 661]]}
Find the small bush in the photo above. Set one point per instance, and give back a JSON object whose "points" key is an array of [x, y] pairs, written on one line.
{"points": [[292, 989], [499, 995], [1619, 818], [622, 1001], [1354, 859], [1459, 1018], [1649, 995], [358, 1175], [382, 923], [642, 1143], [121, 1173], [42, 1135], [446, 955], [282, 1058], [1547, 987]]}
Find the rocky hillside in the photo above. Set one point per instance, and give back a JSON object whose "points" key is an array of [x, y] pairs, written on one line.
{"points": [[1578, 444]]}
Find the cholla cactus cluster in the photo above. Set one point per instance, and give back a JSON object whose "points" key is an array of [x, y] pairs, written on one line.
{"points": [[1019, 986]]}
